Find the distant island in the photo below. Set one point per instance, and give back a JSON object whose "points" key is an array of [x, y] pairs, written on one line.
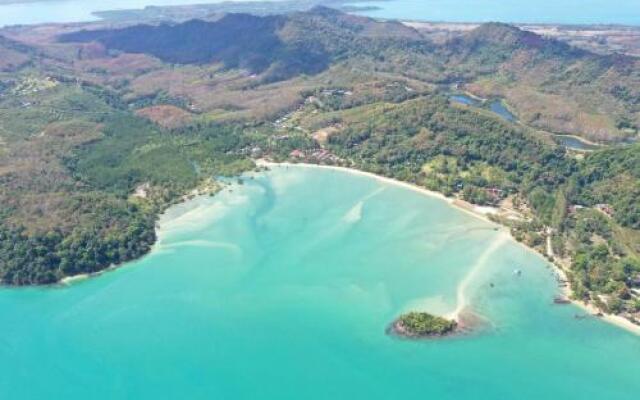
{"points": [[214, 10], [422, 325]]}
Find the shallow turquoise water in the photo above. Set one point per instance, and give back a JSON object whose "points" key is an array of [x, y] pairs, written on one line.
{"points": [[625, 12], [282, 289]]}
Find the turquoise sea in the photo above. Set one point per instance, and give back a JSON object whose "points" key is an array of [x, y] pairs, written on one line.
{"points": [[281, 288]]}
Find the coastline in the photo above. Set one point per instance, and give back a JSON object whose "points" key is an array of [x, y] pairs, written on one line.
{"points": [[69, 280], [73, 279], [476, 212], [615, 320], [580, 139]]}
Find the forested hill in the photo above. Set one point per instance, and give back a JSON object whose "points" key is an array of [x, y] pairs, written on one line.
{"points": [[284, 46], [237, 40], [550, 85]]}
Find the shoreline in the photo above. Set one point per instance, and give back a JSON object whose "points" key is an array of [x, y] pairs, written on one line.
{"points": [[580, 139], [475, 212], [73, 279], [612, 319], [615, 320], [455, 203], [69, 280]]}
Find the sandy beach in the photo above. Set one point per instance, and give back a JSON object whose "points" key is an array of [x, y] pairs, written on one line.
{"points": [[73, 279], [591, 309], [472, 210], [477, 212], [69, 280]]}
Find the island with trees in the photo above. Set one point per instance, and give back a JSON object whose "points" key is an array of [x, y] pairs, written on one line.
{"points": [[417, 325]]}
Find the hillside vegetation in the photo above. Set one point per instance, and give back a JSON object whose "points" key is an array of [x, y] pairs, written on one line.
{"points": [[71, 160], [101, 129], [549, 84], [485, 160]]}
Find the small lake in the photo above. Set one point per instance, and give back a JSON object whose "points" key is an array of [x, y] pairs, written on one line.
{"points": [[574, 143], [500, 109], [466, 100], [496, 106]]}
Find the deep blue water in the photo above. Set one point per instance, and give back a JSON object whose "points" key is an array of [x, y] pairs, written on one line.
{"points": [[626, 12], [77, 10], [548, 11]]}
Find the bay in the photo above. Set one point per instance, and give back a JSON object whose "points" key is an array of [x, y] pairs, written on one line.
{"points": [[282, 288]]}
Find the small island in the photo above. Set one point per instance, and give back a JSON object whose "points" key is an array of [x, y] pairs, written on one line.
{"points": [[423, 325]]}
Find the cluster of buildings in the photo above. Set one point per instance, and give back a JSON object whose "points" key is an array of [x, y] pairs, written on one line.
{"points": [[606, 209], [318, 155], [280, 123], [336, 92], [253, 151], [327, 93], [494, 194]]}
